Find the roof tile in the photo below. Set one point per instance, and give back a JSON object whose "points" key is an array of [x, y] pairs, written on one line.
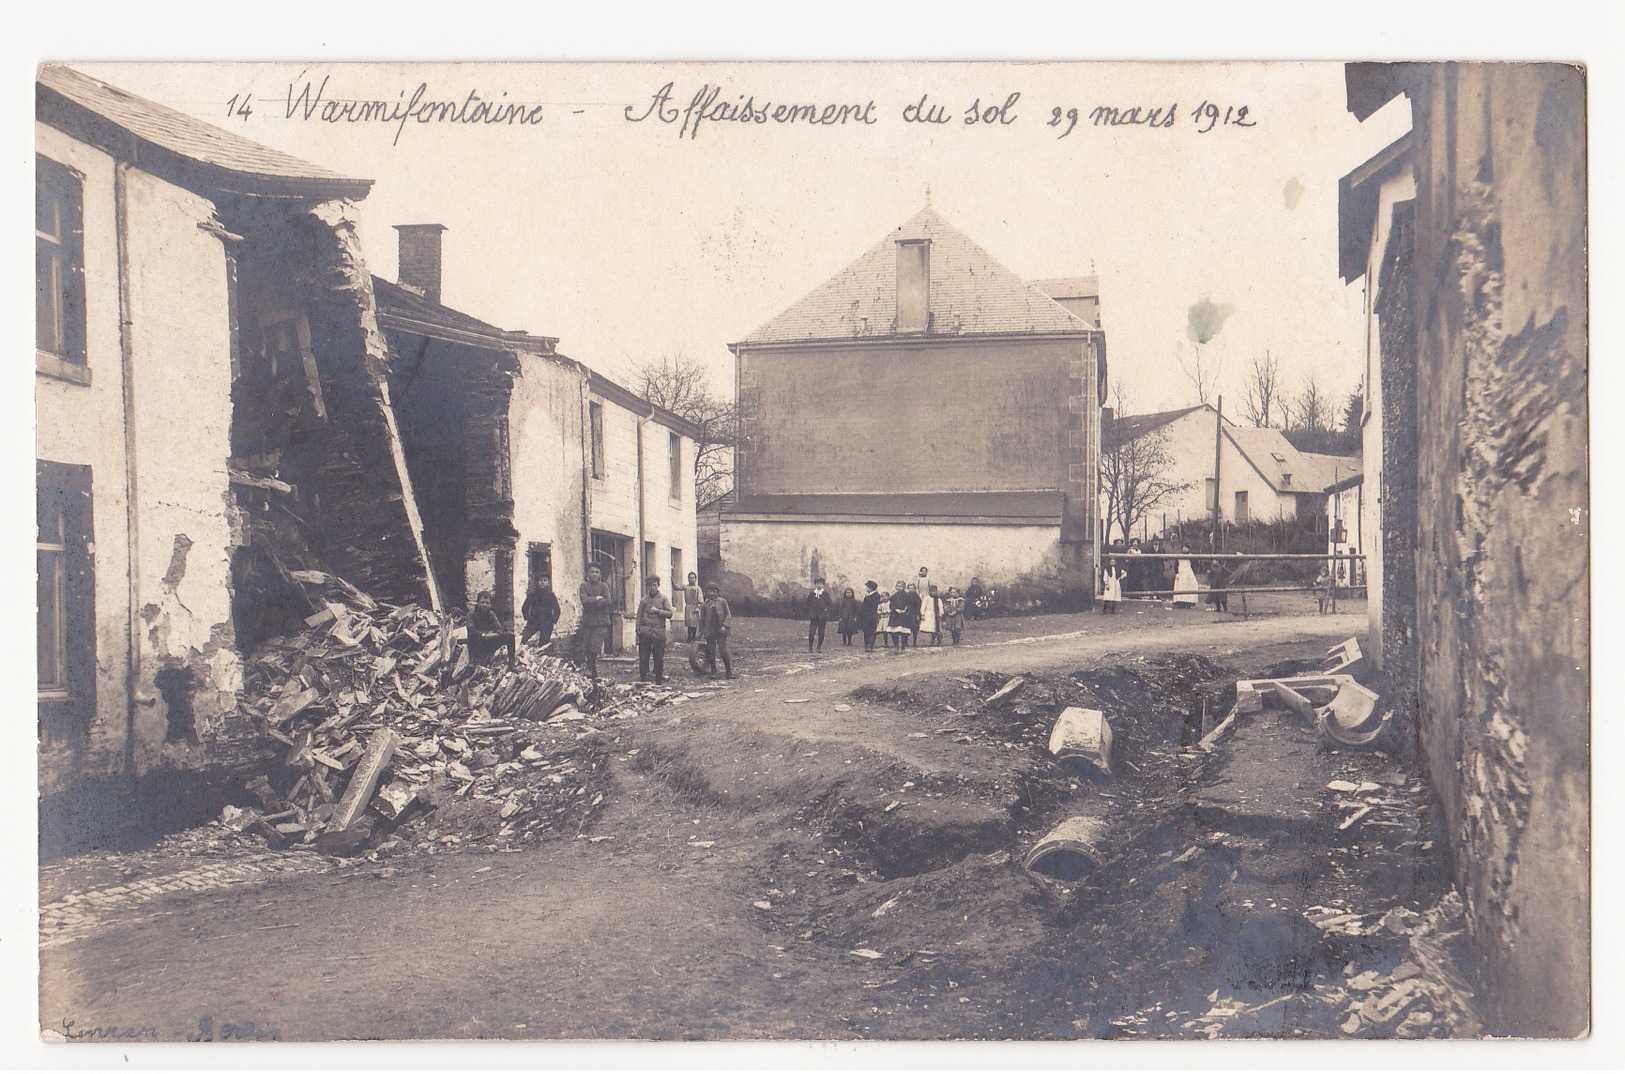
{"points": [[971, 294]]}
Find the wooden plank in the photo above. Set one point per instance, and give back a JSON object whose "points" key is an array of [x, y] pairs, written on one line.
{"points": [[368, 771]]}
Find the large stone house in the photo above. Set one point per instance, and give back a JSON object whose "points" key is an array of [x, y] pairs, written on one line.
{"points": [[925, 406]]}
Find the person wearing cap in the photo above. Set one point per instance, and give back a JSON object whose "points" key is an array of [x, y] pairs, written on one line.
{"points": [[820, 610], [654, 612], [714, 616]]}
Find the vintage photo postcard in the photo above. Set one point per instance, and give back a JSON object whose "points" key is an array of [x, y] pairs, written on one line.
{"points": [[762, 551]]}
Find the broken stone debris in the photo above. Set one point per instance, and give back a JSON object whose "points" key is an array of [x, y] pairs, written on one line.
{"points": [[1006, 691], [1085, 734], [1070, 850], [1343, 658], [1339, 708], [375, 712], [1351, 718]]}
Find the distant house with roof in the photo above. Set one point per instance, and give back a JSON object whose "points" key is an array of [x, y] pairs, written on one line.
{"points": [[1260, 475], [924, 406]]}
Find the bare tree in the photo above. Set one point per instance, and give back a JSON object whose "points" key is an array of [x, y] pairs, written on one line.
{"points": [[1202, 372], [1135, 476], [682, 386], [1262, 400], [1311, 410], [1354, 409]]}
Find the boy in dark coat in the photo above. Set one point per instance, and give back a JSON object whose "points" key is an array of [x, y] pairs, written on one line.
{"points": [[820, 610], [869, 615], [541, 612], [486, 634]]}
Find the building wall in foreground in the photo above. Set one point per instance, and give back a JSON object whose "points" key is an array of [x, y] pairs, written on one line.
{"points": [[1503, 495], [186, 520], [770, 563]]}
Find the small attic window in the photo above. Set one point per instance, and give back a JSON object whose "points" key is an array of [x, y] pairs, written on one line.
{"points": [[1277, 456], [1286, 479]]}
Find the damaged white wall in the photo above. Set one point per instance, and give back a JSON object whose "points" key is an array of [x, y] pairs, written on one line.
{"points": [[180, 373], [545, 423], [613, 499]]}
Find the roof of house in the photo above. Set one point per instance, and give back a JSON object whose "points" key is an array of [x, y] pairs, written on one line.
{"points": [[971, 294], [1029, 508], [1069, 286], [1357, 201], [198, 155], [406, 309], [1124, 429], [1285, 467]]}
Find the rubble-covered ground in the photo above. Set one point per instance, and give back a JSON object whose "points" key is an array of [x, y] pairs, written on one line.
{"points": [[832, 848]]}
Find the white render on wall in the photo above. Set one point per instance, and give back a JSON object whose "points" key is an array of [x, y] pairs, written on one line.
{"points": [[1190, 447], [545, 428], [181, 376], [558, 502], [1394, 190], [780, 557], [613, 501]]}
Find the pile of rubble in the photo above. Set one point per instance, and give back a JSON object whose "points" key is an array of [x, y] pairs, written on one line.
{"points": [[375, 716]]}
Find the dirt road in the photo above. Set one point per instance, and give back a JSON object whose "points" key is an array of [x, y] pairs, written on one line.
{"points": [[823, 849]]}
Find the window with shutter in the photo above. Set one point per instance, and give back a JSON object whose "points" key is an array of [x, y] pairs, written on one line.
{"points": [[59, 271]]}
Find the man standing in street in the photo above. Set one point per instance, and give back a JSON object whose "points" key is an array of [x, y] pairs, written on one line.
{"points": [[541, 612], [820, 610], [654, 611], [596, 599]]}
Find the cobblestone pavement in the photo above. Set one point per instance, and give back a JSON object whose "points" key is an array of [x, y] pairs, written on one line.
{"points": [[79, 914]]}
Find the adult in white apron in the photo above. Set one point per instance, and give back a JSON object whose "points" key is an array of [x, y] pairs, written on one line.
{"points": [[1185, 583]]}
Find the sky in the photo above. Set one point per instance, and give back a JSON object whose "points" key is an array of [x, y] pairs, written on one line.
{"points": [[631, 240]]}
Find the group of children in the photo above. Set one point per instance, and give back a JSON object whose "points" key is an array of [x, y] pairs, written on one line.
{"points": [[897, 618]]}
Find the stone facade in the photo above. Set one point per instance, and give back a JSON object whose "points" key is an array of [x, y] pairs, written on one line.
{"points": [[1501, 533]]}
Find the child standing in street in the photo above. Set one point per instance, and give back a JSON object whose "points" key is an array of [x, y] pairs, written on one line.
{"points": [[692, 599], [869, 615], [654, 612], [953, 614], [849, 616], [714, 617], [1111, 590], [820, 610]]}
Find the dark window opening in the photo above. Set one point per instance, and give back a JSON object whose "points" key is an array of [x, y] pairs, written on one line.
{"points": [[539, 564], [675, 452], [66, 600], [595, 418], [59, 262], [610, 554]]}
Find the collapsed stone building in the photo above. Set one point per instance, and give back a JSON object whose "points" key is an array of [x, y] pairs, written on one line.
{"points": [[228, 400]]}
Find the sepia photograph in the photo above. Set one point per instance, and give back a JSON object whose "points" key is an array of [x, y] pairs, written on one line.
{"points": [[812, 551]]}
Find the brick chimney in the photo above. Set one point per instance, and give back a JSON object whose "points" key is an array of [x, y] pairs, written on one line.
{"points": [[913, 285], [420, 258]]}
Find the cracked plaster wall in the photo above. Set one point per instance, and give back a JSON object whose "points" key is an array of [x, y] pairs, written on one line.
{"points": [[1503, 494]]}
